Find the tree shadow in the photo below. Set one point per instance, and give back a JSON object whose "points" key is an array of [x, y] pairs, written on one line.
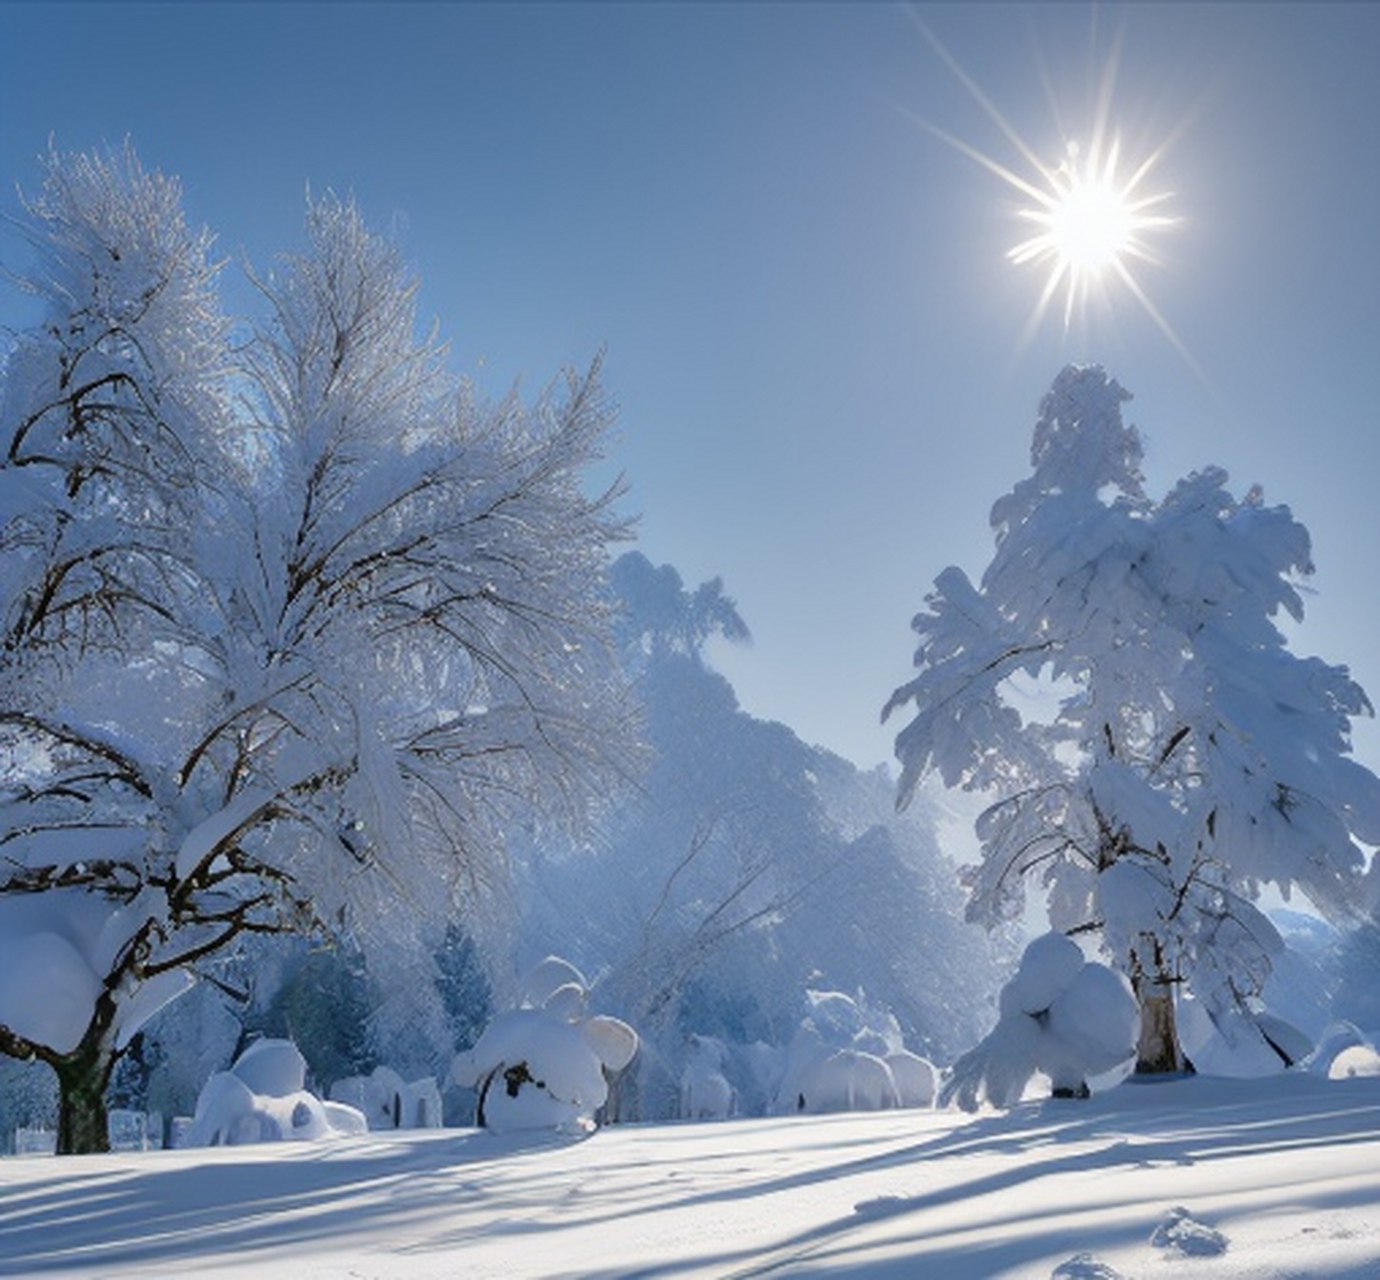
{"points": [[147, 1208]]}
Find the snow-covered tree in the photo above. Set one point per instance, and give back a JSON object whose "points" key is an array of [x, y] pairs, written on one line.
{"points": [[746, 868], [1119, 689], [285, 650], [659, 616]]}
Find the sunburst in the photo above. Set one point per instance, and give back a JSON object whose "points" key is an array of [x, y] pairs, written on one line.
{"points": [[1091, 222], [1092, 217]]}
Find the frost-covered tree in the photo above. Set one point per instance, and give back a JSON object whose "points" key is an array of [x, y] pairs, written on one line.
{"points": [[1118, 687], [659, 616], [286, 648], [746, 868]]}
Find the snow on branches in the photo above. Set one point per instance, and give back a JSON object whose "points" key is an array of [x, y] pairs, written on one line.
{"points": [[289, 639], [1119, 688]]}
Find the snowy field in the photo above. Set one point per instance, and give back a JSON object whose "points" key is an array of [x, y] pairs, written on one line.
{"points": [[1279, 1178]]}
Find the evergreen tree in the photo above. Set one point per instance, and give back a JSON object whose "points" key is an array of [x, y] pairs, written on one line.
{"points": [[1178, 755]]}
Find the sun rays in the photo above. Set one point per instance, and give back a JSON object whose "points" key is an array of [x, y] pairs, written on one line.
{"points": [[1091, 217]]}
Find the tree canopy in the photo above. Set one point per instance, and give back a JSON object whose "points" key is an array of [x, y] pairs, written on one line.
{"points": [[293, 631]]}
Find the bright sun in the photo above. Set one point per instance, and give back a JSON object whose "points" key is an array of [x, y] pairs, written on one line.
{"points": [[1092, 219]]}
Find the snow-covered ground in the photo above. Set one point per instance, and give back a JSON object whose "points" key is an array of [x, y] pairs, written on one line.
{"points": [[1279, 1178]]}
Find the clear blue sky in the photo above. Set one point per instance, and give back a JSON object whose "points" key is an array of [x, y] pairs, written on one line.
{"points": [[811, 328]]}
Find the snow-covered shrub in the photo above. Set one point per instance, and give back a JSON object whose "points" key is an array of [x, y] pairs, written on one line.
{"points": [[1237, 1041], [1061, 1015], [263, 1098], [848, 1080], [545, 1064], [840, 1060], [389, 1102], [705, 1093], [915, 1078]]}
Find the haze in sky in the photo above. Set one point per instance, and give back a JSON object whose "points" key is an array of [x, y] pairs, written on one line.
{"points": [[825, 361]]}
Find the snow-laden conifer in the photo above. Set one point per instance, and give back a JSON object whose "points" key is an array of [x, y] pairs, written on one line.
{"points": [[1119, 689]]}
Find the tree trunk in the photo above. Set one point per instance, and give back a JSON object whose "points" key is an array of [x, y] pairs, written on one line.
{"points": [[83, 1076], [1157, 1047]]}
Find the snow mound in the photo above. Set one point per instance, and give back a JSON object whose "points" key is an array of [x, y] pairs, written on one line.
{"points": [[273, 1067], [545, 1065], [1061, 1015], [848, 1080], [263, 1098], [1083, 1266], [1356, 1060], [915, 1078], [1180, 1233], [389, 1102], [848, 1056]]}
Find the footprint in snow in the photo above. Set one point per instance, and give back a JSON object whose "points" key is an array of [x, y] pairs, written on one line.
{"points": [[1180, 1232], [1083, 1266]]}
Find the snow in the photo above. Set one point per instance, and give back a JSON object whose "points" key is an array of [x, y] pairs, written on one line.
{"points": [[1264, 1179], [545, 1067], [49, 989], [1063, 1016], [263, 1098], [1358, 1060], [387, 1101]]}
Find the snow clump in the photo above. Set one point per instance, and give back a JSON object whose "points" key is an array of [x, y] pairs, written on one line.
{"points": [[1062, 1015], [1181, 1234], [1084, 1266], [845, 1057], [1354, 1061], [263, 1098], [388, 1102], [545, 1065]]}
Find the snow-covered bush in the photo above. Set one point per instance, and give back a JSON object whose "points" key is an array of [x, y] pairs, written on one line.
{"points": [[915, 1078], [1238, 1041], [705, 1092], [389, 1102], [840, 1059], [263, 1098], [1061, 1015], [848, 1080], [545, 1064]]}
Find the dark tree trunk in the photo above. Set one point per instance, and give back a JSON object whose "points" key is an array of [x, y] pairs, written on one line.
{"points": [[83, 1076], [1157, 1047]]}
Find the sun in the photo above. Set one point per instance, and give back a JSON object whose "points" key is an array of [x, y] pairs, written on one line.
{"points": [[1091, 218], [1091, 223]]}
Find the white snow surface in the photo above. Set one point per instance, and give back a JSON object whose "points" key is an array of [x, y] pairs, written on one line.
{"points": [[1278, 1176]]}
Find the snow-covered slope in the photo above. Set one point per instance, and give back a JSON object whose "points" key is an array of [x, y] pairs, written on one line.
{"points": [[1196, 1178]]}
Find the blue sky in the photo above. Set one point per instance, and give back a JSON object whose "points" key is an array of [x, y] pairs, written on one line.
{"points": [[810, 325]]}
